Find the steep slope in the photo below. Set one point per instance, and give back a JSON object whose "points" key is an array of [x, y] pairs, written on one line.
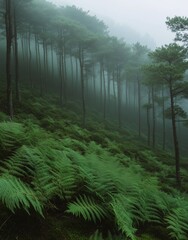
{"points": [[80, 183]]}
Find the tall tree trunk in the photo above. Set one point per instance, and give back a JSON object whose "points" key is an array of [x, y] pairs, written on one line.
{"points": [[65, 75], [52, 61], [101, 89], [148, 116], [164, 122], [139, 106], [175, 137], [72, 74], [9, 36], [114, 91], [119, 88], [81, 61], [104, 93], [61, 74], [38, 54], [153, 116], [29, 58], [16, 58]]}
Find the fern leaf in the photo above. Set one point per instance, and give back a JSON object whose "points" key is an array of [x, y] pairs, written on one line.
{"points": [[15, 195], [12, 136], [177, 223], [123, 217], [87, 208]]}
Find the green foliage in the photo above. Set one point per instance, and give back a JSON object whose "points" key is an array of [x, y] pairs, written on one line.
{"points": [[87, 208], [177, 221], [3, 117], [179, 25], [91, 182], [178, 111], [12, 136], [15, 194], [123, 216]]}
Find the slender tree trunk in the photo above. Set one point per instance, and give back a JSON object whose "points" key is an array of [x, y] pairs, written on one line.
{"points": [[104, 93], [101, 88], [94, 81], [119, 98], [61, 74], [29, 58], [40, 68], [153, 116], [52, 61], [175, 137], [72, 74], [8, 23], [135, 94], [44, 65], [148, 117], [164, 122], [22, 47], [65, 75], [108, 89], [139, 106], [16, 58], [114, 91], [81, 61]]}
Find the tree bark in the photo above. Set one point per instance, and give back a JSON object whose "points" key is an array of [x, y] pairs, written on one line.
{"points": [[139, 106], [81, 61], [9, 36], [153, 116], [16, 58], [175, 137]]}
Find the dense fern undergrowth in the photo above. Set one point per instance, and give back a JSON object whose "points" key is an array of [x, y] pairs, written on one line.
{"points": [[59, 181]]}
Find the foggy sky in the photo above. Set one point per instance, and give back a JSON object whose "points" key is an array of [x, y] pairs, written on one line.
{"points": [[145, 16]]}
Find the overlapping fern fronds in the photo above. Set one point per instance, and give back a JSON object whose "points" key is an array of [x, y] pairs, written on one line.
{"points": [[12, 136], [124, 218], [177, 221], [88, 208], [94, 184], [63, 173], [16, 194]]}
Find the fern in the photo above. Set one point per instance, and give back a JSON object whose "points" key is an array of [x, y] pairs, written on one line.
{"points": [[17, 195], [63, 173], [20, 164], [12, 136], [124, 218], [177, 223], [86, 207]]}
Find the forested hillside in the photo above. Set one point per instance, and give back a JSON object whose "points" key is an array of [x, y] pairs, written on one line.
{"points": [[93, 131]]}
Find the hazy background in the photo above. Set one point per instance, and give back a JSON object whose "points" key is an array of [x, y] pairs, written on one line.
{"points": [[140, 19]]}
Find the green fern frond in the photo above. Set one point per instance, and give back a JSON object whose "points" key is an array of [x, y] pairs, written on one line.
{"points": [[86, 207], [145, 208], [177, 223], [63, 173], [20, 164], [12, 136], [123, 216], [14, 194]]}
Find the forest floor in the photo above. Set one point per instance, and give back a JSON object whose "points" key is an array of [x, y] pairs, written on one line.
{"points": [[55, 123]]}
